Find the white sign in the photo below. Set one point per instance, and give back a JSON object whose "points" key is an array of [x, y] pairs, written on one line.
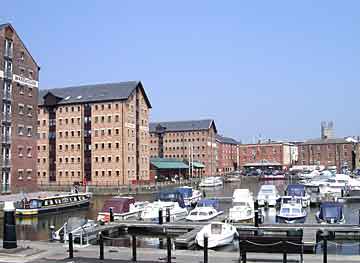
{"points": [[25, 81], [1, 74], [130, 125]]}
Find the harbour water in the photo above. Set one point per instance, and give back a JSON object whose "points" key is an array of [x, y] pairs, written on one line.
{"points": [[38, 228]]}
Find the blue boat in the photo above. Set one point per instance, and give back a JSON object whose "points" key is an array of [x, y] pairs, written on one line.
{"points": [[191, 196], [330, 213], [171, 196]]}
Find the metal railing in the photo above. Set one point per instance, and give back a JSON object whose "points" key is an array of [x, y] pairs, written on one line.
{"points": [[6, 139], [6, 163], [7, 95], [6, 117], [8, 74], [8, 53]]}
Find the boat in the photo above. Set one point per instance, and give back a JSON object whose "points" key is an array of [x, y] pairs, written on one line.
{"points": [[166, 200], [243, 206], [291, 211], [219, 234], [298, 190], [122, 207], [330, 213], [336, 186], [268, 195], [49, 204], [79, 227], [211, 182], [232, 178], [208, 202], [191, 196], [203, 213], [273, 175]]}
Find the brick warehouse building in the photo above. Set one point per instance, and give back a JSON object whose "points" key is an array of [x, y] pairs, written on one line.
{"points": [[275, 154], [98, 133], [227, 154], [19, 75], [328, 152], [183, 139]]}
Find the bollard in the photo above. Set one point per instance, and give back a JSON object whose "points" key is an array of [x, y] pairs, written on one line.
{"points": [[284, 252], [134, 248], [160, 216], [9, 226], [168, 248], [101, 243], [52, 234], [342, 192], [204, 193], [167, 214], [256, 209], [324, 236], [111, 214], [359, 216], [71, 246], [206, 243]]}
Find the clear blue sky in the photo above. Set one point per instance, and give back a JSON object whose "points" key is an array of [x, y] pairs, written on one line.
{"points": [[275, 68]]}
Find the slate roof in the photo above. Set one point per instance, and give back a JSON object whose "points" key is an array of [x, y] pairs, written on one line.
{"points": [[325, 141], [175, 126], [226, 140], [94, 93]]}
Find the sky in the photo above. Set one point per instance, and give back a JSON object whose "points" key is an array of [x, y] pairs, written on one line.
{"points": [[269, 69]]}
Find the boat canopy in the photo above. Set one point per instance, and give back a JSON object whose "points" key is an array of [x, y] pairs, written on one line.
{"points": [[295, 190], [171, 196], [331, 210], [209, 203], [185, 191], [118, 204]]}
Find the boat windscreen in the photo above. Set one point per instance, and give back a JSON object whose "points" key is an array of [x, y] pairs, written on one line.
{"points": [[216, 229], [295, 190], [186, 192], [331, 212]]}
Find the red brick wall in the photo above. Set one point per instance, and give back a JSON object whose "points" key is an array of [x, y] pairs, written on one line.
{"points": [[252, 153]]}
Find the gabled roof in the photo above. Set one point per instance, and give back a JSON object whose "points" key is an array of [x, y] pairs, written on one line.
{"points": [[2, 26], [325, 141], [226, 140], [175, 126], [94, 93]]}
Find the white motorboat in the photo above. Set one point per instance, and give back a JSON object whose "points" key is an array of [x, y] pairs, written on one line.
{"points": [[203, 213], [151, 211], [190, 195], [211, 182], [243, 206], [79, 227], [122, 207], [292, 211], [219, 234], [336, 186], [268, 195]]}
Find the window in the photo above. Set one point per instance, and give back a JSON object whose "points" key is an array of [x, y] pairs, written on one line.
{"points": [[78, 146], [21, 109], [109, 173], [29, 131], [96, 107], [117, 145], [66, 121], [102, 107], [96, 119], [20, 130], [109, 119], [109, 132], [109, 145], [60, 134], [116, 118], [28, 151], [72, 133], [72, 120], [29, 110], [117, 159], [102, 119], [109, 159], [79, 133], [117, 131]]}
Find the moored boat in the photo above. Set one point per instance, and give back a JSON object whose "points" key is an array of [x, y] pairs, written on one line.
{"points": [[291, 211], [203, 213], [330, 213], [243, 206], [219, 234], [211, 182], [298, 190], [122, 208], [190, 195], [49, 204], [268, 195]]}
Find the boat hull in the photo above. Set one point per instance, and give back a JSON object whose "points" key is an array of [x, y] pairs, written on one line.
{"points": [[290, 220], [51, 209]]}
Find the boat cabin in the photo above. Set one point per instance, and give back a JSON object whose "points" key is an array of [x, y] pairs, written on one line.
{"points": [[186, 191], [331, 212], [295, 190], [171, 196], [208, 203], [119, 205]]}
